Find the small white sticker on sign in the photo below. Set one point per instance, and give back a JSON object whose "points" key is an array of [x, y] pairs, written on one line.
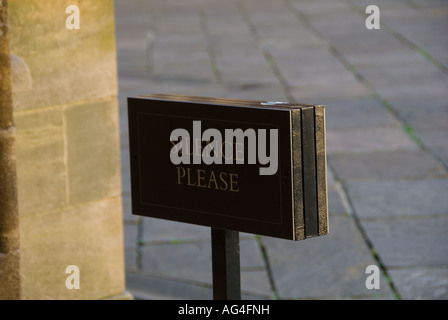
{"points": [[272, 103]]}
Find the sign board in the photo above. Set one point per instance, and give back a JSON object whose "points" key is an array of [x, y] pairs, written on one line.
{"points": [[251, 166]]}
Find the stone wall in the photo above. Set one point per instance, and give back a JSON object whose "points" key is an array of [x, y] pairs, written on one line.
{"points": [[9, 227], [64, 85]]}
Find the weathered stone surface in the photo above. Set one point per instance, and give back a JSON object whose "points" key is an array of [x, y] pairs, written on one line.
{"points": [[68, 166], [20, 75], [41, 172], [88, 236], [10, 287], [6, 111], [93, 150], [65, 65], [9, 217], [10, 276]]}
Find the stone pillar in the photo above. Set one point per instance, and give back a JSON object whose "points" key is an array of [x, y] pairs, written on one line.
{"points": [[9, 220], [64, 85]]}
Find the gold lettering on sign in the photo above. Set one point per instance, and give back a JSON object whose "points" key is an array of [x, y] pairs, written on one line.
{"points": [[200, 178]]}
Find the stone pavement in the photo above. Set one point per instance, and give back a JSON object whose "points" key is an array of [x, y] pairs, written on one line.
{"points": [[386, 98]]}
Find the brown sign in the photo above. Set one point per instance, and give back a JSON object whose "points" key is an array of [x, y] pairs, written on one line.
{"points": [[249, 166]]}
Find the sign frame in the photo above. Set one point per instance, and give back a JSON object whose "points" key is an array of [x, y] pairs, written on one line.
{"points": [[301, 166]]}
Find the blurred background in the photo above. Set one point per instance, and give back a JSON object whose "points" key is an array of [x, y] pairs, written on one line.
{"points": [[386, 97]]}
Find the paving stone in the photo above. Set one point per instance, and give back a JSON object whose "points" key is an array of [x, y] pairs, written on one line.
{"points": [[163, 260], [442, 154], [187, 261], [398, 58], [153, 288], [324, 79], [132, 55], [256, 91], [130, 259], [178, 22], [342, 21], [128, 217], [374, 199], [181, 56], [414, 29], [189, 44], [406, 105], [249, 67], [373, 42], [138, 84], [430, 90], [433, 138], [330, 266], [296, 69], [277, 44], [368, 140], [308, 60], [331, 182], [130, 235], [320, 7], [164, 230], [386, 165], [185, 70], [358, 113], [225, 21], [256, 284], [421, 283], [409, 242], [250, 254], [431, 117], [335, 203], [437, 51], [328, 93], [403, 11], [413, 74], [159, 233]]}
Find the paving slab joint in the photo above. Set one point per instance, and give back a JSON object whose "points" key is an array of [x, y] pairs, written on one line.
{"points": [[264, 253], [354, 216]]}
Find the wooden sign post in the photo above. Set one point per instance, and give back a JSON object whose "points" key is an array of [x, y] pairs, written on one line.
{"points": [[233, 165]]}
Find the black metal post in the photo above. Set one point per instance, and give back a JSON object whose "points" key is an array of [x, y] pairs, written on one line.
{"points": [[226, 264]]}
